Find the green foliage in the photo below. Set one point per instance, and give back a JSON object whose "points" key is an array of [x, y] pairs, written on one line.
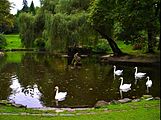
{"points": [[124, 20], [32, 8], [63, 23], [100, 15], [4, 10], [39, 23], [3, 42], [26, 27], [6, 22], [49, 5], [72, 6], [101, 47], [58, 29], [138, 16], [40, 43]]}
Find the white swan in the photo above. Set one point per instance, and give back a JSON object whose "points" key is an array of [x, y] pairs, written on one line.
{"points": [[117, 72], [59, 96], [138, 74], [124, 87], [149, 82]]}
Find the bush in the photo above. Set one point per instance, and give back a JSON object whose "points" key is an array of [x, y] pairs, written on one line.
{"points": [[101, 47], [40, 43], [3, 42], [137, 46]]}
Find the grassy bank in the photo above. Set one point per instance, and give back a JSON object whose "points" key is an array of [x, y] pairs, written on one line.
{"points": [[143, 110], [13, 41]]}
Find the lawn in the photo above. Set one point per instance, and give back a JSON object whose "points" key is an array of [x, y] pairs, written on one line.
{"points": [[143, 110], [13, 41]]}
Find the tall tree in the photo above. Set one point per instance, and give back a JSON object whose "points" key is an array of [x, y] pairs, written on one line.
{"points": [[139, 15], [100, 17], [32, 8], [6, 21], [26, 27], [25, 6], [25, 3]]}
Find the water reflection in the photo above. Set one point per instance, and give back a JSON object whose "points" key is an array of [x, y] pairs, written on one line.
{"points": [[136, 80], [124, 90], [29, 97], [85, 86]]}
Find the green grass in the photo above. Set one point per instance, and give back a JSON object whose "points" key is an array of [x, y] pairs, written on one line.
{"points": [[128, 48], [13, 41], [143, 110]]}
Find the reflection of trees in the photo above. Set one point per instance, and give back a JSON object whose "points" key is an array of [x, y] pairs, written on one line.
{"points": [[84, 86], [43, 70], [2, 61], [5, 74], [4, 86]]}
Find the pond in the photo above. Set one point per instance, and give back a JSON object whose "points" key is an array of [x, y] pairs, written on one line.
{"points": [[30, 78]]}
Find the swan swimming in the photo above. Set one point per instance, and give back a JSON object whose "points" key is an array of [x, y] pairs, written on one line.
{"points": [[59, 96], [124, 87], [117, 72], [149, 82], [138, 74]]}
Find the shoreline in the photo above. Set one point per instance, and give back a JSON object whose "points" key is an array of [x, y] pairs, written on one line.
{"points": [[99, 104]]}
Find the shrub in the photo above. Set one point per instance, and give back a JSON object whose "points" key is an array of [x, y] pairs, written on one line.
{"points": [[101, 47], [3, 42], [40, 43]]}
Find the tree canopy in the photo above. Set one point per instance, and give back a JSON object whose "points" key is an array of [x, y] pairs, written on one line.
{"points": [[58, 24], [6, 21], [127, 18]]}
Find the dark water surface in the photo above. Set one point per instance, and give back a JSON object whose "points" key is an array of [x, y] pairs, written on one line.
{"points": [[30, 78]]}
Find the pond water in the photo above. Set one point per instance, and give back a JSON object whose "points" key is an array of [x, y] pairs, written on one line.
{"points": [[30, 78]]}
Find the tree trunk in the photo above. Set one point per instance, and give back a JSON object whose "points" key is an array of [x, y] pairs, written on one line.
{"points": [[112, 43]]}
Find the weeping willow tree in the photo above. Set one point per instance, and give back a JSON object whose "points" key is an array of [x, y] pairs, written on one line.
{"points": [[26, 27], [64, 28], [56, 27]]}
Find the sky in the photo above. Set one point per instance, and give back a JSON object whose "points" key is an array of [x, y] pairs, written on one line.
{"points": [[18, 5]]}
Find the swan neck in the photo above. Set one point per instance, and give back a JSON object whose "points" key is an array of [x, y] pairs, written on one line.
{"points": [[148, 78], [121, 81], [57, 91], [114, 69], [136, 70]]}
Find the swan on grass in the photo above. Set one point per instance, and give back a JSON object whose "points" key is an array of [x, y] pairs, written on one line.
{"points": [[138, 74], [124, 87], [59, 96]]}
